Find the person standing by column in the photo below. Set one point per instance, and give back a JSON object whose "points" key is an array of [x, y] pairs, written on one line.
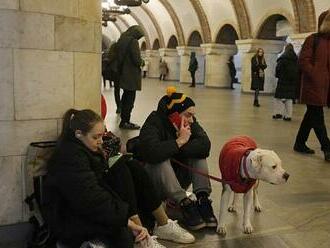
{"points": [[193, 66], [314, 61], [130, 63], [163, 69], [258, 66], [287, 74], [232, 72]]}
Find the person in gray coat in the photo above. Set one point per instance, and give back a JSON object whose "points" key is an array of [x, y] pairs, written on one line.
{"points": [[130, 63]]}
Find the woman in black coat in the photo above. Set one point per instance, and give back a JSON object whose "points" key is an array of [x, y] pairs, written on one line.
{"points": [[287, 74], [258, 66]]}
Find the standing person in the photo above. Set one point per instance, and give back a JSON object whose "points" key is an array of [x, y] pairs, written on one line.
{"points": [[287, 74], [314, 61], [162, 139], [145, 68], [163, 69], [106, 73], [232, 71], [114, 74], [193, 66], [129, 65], [258, 66]]}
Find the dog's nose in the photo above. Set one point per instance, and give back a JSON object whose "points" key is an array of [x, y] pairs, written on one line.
{"points": [[286, 176]]}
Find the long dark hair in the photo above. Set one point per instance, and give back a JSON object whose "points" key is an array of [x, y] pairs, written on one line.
{"points": [[83, 120]]}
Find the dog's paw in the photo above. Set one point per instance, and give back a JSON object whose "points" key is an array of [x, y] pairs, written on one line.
{"points": [[257, 208], [232, 209], [248, 229], [221, 230]]}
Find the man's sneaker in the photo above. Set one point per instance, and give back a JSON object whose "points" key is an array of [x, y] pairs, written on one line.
{"points": [[206, 211], [149, 242], [129, 125], [191, 216], [173, 232], [303, 149]]}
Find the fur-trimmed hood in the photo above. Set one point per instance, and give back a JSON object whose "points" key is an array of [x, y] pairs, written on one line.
{"points": [[324, 22]]}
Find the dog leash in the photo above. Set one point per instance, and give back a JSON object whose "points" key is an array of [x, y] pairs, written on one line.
{"points": [[196, 171]]}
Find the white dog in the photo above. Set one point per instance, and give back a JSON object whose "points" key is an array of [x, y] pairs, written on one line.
{"points": [[242, 164]]}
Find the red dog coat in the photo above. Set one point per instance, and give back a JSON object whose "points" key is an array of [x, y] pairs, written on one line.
{"points": [[230, 160]]}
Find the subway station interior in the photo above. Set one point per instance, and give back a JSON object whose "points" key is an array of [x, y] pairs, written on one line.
{"points": [[51, 61]]}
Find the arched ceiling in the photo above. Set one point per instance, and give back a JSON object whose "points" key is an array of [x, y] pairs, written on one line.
{"points": [[163, 18]]}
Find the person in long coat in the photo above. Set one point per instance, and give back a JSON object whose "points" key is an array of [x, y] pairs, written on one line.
{"points": [[193, 66], [163, 69], [129, 64], [314, 61], [258, 66], [287, 74]]}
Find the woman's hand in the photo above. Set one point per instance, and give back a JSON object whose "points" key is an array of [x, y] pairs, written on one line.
{"points": [[139, 232], [183, 133]]}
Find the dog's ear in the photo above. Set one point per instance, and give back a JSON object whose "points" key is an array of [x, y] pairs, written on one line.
{"points": [[257, 160]]}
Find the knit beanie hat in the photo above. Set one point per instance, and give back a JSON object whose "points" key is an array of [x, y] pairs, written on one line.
{"points": [[177, 102]]}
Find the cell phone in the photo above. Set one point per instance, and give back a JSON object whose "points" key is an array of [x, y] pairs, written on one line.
{"points": [[175, 119]]}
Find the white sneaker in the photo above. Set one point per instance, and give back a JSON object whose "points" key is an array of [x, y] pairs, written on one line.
{"points": [[174, 232], [149, 242]]}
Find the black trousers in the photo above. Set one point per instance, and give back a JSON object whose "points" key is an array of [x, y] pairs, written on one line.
{"points": [[193, 79], [256, 95], [127, 104], [313, 119], [117, 94], [132, 183]]}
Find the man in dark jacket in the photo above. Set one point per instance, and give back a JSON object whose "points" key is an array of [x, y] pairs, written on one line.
{"points": [[161, 140], [129, 64], [193, 66], [314, 61]]}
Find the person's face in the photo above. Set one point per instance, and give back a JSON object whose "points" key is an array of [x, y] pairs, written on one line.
{"points": [[260, 52], [93, 139], [188, 115]]}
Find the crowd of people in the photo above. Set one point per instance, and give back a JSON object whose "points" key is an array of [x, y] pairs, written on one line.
{"points": [[115, 200]]}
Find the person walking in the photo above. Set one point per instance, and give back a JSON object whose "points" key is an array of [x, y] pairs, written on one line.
{"points": [[314, 61], [287, 74], [163, 69], [193, 66], [130, 63], [258, 66]]}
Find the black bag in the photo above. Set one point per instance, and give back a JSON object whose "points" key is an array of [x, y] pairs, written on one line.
{"points": [[36, 169], [111, 144]]}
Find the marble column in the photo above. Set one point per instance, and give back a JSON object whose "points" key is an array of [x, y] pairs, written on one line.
{"points": [[298, 40], [153, 57], [173, 63], [216, 68], [247, 49], [184, 53], [50, 61]]}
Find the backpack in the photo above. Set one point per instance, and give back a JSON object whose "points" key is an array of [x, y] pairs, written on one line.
{"points": [[35, 164]]}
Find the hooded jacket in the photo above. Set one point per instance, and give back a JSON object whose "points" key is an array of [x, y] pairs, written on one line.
{"points": [[287, 74], [129, 58], [230, 159], [315, 65], [157, 140]]}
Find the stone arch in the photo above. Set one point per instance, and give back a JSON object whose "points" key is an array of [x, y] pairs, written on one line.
{"points": [[227, 35], [177, 23], [243, 19], [146, 35], [266, 30], [155, 23], [156, 45], [118, 27], [205, 27], [195, 39], [172, 42], [304, 12], [143, 46]]}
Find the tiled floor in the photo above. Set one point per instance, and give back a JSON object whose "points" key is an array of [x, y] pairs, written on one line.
{"points": [[294, 215]]}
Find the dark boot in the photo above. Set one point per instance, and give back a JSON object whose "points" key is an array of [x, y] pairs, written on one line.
{"points": [[302, 148], [327, 156], [256, 103], [206, 211]]}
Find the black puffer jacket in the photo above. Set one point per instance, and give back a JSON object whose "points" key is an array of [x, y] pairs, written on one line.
{"points": [[287, 74], [157, 140], [78, 202]]}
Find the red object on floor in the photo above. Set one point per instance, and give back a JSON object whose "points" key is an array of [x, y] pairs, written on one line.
{"points": [[103, 107]]}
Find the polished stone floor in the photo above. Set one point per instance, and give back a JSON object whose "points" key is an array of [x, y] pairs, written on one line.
{"points": [[296, 214]]}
